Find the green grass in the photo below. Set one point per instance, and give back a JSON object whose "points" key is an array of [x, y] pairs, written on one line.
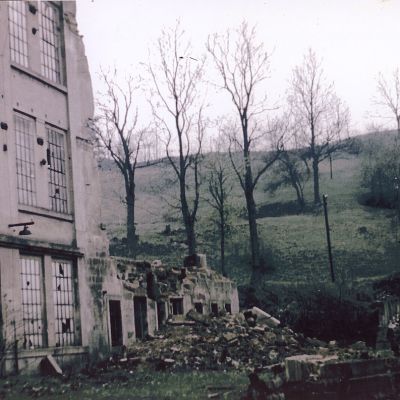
{"points": [[365, 240], [134, 385]]}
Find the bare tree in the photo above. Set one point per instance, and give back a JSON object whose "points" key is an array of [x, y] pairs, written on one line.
{"points": [[176, 77], [389, 95], [116, 128], [381, 168], [220, 188], [243, 65], [321, 117]]}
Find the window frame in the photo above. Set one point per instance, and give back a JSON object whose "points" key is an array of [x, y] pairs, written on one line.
{"points": [[49, 332], [27, 308], [18, 34], [25, 158], [51, 39], [58, 171], [72, 337]]}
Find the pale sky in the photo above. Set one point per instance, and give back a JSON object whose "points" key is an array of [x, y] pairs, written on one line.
{"points": [[356, 39]]}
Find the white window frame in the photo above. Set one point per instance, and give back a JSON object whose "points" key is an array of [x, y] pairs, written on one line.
{"points": [[64, 302], [57, 170], [17, 22], [33, 302], [50, 41], [25, 135]]}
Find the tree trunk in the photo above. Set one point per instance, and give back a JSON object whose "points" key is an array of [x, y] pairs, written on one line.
{"points": [[254, 241], [222, 240], [191, 237], [188, 221], [315, 166], [251, 206], [130, 218], [300, 195]]}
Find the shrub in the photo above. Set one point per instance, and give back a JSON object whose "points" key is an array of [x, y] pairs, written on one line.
{"points": [[378, 177]]}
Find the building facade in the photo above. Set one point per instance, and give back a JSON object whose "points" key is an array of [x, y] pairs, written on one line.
{"points": [[60, 292], [48, 183]]}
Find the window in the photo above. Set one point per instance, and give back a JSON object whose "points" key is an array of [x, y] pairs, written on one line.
{"points": [[177, 306], [27, 185], [18, 35], [214, 308], [57, 171], [24, 138], [228, 308], [32, 304], [64, 302], [50, 42], [47, 43], [61, 297]]}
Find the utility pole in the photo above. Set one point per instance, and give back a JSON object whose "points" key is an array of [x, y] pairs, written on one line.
{"points": [[328, 235]]}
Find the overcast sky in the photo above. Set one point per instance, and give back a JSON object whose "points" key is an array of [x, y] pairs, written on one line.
{"points": [[356, 39]]}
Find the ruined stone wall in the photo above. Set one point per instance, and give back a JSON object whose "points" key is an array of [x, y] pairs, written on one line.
{"points": [[211, 288], [192, 285]]}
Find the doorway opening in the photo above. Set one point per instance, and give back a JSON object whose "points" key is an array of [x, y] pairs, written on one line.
{"points": [[115, 322], [140, 310]]}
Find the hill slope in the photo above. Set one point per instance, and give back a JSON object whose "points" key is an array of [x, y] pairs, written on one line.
{"points": [[364, 239]]}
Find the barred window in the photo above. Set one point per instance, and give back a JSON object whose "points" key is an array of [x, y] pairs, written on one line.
{"points": [[64, 302], [57, 171], [24, 138], [32, 304], [50, 42], [18, 35]]}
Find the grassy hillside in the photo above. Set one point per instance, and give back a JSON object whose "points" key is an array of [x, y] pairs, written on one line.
{"points": [[364, 239]]}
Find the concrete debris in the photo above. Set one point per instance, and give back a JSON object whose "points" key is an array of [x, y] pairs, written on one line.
{"points": [[197, 317], [265, 318], [224, 342]]}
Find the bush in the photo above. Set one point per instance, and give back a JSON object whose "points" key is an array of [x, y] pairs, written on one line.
{"points": [[378, 177]]}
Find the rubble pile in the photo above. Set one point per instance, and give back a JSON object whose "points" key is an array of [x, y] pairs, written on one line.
{"points": [[240, 341]]}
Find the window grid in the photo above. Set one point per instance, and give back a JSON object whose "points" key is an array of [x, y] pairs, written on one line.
{"points": [[63, 298], [57, 171], [18, 35], [26, 182], [32, 308], [50, 42]]}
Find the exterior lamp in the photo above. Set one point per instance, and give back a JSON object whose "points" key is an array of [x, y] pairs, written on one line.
{"points": [[25, 231]]}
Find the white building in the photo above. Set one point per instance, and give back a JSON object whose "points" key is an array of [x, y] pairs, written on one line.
{"points": [[48, 180]]}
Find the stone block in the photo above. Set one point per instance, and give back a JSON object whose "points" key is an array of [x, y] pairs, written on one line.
{"points": [[299, 368]]}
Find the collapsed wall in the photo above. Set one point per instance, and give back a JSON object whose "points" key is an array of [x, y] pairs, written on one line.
{"points": [[133, 299]]}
